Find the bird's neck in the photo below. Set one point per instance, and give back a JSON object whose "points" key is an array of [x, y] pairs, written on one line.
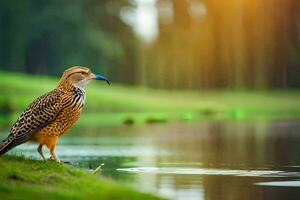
{"points": [[65, 86]]}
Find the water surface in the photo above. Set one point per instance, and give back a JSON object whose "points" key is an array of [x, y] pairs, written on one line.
{"points": [[201, 160]]}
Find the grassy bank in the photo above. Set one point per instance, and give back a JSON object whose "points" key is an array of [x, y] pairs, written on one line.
{"points": [[117, 104], [22, 178]]}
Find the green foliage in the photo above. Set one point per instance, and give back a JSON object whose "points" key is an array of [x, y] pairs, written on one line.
{"points": [[22, 178], [47, 36], [201, 45]]}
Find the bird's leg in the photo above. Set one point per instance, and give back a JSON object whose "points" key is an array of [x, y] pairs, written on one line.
{"points": [[40, 150], [53, 155], [51, 146]]}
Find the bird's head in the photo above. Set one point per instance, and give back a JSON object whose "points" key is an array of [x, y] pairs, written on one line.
{"points": [[79, 76]]}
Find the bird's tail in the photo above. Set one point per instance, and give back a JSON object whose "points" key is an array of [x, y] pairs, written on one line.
{"points": [[7, 144]]}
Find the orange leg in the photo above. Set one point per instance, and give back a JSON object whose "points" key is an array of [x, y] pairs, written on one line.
{"points": [[51, 146], [40, 150]]}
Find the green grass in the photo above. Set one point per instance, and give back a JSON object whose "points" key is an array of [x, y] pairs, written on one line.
{"points": [[118, 104], [22, 178]]}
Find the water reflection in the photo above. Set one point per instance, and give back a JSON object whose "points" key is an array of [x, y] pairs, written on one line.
{"points": [[220, 160], [203, 171]]}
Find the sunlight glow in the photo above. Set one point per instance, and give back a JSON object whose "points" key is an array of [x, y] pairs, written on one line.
{"points": [[143, 19]]}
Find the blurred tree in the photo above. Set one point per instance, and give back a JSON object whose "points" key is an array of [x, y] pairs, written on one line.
{"points": [[202, 44], [47, 36], [225, 44]]}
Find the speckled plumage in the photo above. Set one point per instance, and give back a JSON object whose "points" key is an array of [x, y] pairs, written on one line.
{"points": [[52, 114]]}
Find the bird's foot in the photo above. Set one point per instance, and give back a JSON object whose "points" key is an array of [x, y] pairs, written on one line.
{"points": [[55, 159]]}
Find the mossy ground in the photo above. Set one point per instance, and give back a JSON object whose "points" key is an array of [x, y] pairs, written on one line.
{"points": [[23, 178]]}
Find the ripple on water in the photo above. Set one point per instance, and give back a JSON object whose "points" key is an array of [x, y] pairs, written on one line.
{"points": [[295, 183], [203, 171]]}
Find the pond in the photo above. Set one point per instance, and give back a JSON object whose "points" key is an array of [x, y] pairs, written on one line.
{"points": [[197, 160]]}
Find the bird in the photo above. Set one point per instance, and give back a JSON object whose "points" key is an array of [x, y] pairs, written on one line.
{"points": [[52, 114]]}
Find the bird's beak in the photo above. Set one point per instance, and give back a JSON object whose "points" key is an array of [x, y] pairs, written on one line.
{"points": [[99, 77]]}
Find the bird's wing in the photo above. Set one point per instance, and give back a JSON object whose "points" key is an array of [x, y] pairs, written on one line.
{"points": [[38, 114]]}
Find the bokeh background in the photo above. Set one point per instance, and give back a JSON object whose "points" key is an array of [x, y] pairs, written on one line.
{"points": [[204, 95], [173, 44]]}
